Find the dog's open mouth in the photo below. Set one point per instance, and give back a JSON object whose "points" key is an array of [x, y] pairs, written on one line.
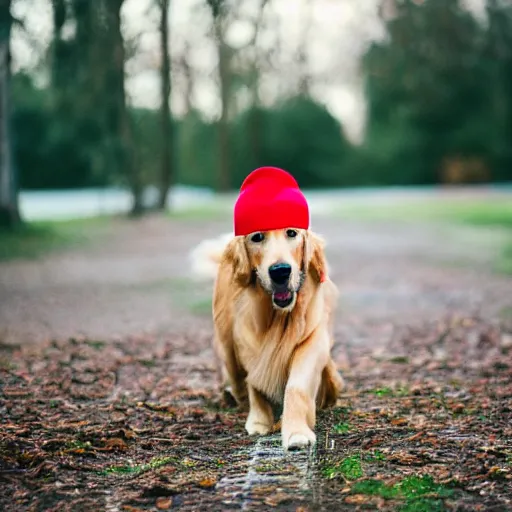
{"points": [[282, 299]]}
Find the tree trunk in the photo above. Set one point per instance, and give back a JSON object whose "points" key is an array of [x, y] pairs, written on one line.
{"points": [[120, 121], [223, 164], [165, 82], [59, 19], [223, 169], [9, 210], [255, 114]]}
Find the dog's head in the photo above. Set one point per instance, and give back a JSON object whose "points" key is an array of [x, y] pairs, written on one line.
{"points": [[279, 261]]}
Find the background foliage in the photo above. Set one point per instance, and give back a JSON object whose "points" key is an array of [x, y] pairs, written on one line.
{"points": [[438, 89]]}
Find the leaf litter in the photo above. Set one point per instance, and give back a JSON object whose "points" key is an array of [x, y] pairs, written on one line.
{"points": [[424, 425]]}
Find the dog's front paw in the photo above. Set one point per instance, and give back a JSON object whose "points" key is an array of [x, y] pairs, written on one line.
{"points": [[255, 425], [299, 440]]}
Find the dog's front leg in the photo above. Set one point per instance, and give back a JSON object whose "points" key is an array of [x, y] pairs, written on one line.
{"points": [[299, 411], [260, 418]]}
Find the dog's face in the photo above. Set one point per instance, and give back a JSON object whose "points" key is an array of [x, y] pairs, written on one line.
{"points": [[279, 259]]}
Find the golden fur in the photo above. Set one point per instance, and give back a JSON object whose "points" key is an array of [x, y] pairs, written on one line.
{"points": [[272, 355]]}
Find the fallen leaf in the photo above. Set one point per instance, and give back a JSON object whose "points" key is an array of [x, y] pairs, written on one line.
{"points": [[458, 408], [163, 503], [415, 436], [115, 443], [207, 482], [277, 499], [357, 499]]}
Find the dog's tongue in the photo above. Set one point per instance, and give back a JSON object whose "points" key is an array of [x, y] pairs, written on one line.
{"points": [[282, 296]]}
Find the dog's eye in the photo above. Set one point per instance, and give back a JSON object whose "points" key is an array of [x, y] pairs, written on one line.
{"points": [[257, 238], [291, 233]]}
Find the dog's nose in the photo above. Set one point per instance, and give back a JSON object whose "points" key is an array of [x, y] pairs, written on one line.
{"points": [[280, 273]]}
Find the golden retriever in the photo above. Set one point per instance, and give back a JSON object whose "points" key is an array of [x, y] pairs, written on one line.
{"points": [[273, 306]]}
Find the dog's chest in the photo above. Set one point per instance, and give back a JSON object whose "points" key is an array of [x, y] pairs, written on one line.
{"points": [[266, 359]]}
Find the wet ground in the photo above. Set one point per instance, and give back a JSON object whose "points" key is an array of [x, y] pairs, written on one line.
{"points": [[107, 392]]}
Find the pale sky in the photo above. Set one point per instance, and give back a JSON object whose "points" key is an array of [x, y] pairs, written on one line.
{"points": [[339, 33]]}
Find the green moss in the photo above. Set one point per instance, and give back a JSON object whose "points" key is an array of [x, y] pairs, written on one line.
{"points": [[350, 467], [375, 488], [388, 392], [342, 410], [154, 463], [148, 363], [399, 360], [417, 493], [380, 392], [76, 444], [5, 364], [375, 456], [342, 428], [414, 486], [96, 345]]}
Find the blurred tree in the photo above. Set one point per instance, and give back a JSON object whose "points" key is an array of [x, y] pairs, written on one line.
{"points": [[499, 57], [119, 124], [297, 134], [166, 174], [218, 10], [89, 115], [303, 67], [9, 210], [256, 112], [186, 152], [427, 91]]}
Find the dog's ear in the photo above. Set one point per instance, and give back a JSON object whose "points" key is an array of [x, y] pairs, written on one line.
{"points": [[314, 257], [236, 254]]}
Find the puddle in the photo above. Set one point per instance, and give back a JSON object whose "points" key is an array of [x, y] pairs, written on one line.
{"points": [[271, 476]]}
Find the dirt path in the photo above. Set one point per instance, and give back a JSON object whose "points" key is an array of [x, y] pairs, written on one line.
{"points": [[107, 379]]}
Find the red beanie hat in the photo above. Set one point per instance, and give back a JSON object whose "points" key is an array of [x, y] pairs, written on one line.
{"points": [[269, 199]]}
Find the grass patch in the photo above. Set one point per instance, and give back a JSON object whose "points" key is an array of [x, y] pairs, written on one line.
{"points": [[504, 264], [375, 456], [350, 468], [342, 428], [399, 360], [414, 486], [418, 493], [491, 212], [380, 392], [77, 445], [6, 364], [95, 344], [128, 469], [506, 313], [202, 306], [191, 295], [33, 240], [388, 392], [375, 488]]}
